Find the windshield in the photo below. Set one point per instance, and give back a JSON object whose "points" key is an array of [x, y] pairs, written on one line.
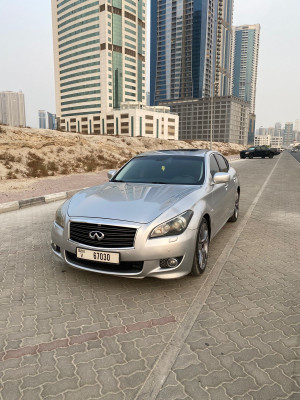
{"points": [[251, 148], [176, 170]]}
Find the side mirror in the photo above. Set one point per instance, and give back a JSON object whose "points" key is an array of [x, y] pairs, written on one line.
{"points": [[221, 177], [111, 173]]}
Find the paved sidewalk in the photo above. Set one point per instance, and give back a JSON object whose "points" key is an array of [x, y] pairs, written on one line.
{"points": [[245, 343], [69, 334]]}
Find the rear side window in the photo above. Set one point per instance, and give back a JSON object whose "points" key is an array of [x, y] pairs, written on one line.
{"points": [[223, 164], [214, 167]]}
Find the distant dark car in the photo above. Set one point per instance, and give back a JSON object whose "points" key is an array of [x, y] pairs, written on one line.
{"points": [[259, 151]]}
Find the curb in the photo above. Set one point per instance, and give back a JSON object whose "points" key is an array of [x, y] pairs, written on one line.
{"points": [[48, 198]]}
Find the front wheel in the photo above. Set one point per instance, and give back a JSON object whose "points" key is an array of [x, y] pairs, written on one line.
{"points": [[250, 155], [236, 210], [201, 249]]}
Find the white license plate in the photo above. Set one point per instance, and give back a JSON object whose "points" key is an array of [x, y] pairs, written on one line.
{"points": [[100, 256]]}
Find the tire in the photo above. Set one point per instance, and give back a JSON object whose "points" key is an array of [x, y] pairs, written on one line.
{"points": [[251, 156], [271, 155], [201, 249], [236, 210], [263, 157]]}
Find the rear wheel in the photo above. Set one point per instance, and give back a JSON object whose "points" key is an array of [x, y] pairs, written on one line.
{"points": [[236, 210], [271, 155], [201, 250]]}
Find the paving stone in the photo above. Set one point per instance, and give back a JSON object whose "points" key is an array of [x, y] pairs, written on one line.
{"points": [[246, 355], [260, 376], [134, 380], [129, 368], [107, 380], [234, 368], [190, 372], [46, 361], [59, 387], [287, 384], [30, 394], [270, 361], [240, 386], [215, 378], [268, 392], [65, 367], [218, 393], [38, 380], [280, 348], [10, 390], [86, 392], [171, 392], [194, 390], [13, 374]]}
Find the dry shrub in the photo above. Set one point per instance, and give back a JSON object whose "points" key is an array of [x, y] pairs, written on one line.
{"points": [[52, 166], [11, 175], [7, 157], [36, 166]]}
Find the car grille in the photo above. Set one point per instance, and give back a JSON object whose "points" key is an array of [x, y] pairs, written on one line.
{"points": [[124, 267], [114, 236]]}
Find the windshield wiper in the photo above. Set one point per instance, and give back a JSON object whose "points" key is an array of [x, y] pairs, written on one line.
{"points": [[159, 183]]}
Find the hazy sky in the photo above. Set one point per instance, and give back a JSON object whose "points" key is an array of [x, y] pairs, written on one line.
{"points": [[26, 55]]}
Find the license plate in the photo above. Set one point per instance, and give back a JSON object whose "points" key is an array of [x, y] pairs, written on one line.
{"points": [[100, 256]]}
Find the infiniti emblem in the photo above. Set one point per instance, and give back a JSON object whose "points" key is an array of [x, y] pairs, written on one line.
{"points": [[96, 235]]}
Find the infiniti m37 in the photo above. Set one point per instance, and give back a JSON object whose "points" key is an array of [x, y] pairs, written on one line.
{"points": [[154, 218]]}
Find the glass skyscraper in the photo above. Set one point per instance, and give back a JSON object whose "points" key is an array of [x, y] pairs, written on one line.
{"points": [[245, 46], [190, 49]]}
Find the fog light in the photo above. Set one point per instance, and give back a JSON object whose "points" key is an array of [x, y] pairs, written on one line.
{"points": [[55, 247], [172, 262]]}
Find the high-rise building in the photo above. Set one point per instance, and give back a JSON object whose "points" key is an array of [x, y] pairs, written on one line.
{"points": [[12, 109], [288, 134], [228, 122], [42, 119], [271, 131], [99, 51], [262, 131], [245, 46], [51, 121], [277, 129], [190, 49], [297, 125]]}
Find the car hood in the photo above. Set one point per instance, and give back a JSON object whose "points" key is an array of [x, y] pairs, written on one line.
{"points": [[134, 202]]}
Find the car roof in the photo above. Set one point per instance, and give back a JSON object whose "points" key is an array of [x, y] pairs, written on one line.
{"points": [[176, 152]]}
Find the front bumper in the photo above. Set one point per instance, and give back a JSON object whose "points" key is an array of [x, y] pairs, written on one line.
{"points": [[142, 260]]}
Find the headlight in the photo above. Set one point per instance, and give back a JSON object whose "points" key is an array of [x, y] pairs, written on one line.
{"points": [[60, 216], [174, 226], [247, 152]]}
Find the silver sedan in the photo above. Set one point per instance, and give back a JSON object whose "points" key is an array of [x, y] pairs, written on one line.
{"points": [[155, 217]]}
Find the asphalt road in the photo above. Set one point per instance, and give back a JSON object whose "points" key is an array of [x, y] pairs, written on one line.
{"points": [[296, 155], [69, 334]]}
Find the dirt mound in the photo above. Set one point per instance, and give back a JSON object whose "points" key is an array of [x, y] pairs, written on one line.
{"points": [[27, 153]]}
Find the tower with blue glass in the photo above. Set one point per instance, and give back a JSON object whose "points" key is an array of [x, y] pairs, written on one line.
{"points": [[190, 49]]}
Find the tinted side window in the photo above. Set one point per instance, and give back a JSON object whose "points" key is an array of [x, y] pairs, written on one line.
{"points": [[221, 161], [214, 167]]}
